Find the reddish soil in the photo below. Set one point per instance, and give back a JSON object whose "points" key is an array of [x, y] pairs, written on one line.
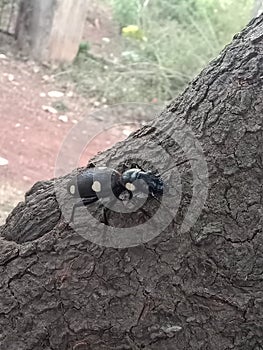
{"points": [[31, 137]]}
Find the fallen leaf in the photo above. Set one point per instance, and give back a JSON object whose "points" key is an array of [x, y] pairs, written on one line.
{"points": [[3, 161], [49, 109], [70, 94], [48, 78], [36, 69], [96, 103], [97, 23], [55, 94], [11, 77], [106, 40], [63, 118], [26, 178]]}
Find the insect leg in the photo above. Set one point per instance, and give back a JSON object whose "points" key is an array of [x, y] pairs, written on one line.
{"points": [[83, 201], [105, 219], [106, 211]]}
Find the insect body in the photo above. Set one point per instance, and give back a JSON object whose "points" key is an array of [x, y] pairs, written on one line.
{"points": [[94, 184], [144, 181], [105, 183]]}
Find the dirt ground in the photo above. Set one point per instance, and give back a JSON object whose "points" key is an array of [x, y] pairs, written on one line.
{"points": [[34, 121], [32, 134]]}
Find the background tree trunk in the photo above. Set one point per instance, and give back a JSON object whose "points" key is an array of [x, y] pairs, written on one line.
{"points": [[200, 289], [51, 30], [258, 8]]}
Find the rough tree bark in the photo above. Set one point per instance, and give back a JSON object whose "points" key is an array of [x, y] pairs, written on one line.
{"points": [[197, 290]]}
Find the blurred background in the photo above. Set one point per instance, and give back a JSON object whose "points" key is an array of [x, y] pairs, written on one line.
{"points": [[60, 64]]}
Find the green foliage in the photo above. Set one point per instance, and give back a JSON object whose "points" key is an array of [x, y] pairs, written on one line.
{"points": [[182, 37], [4, 2], [177, 10], [126, 12], [84, 47], [60, 106]]}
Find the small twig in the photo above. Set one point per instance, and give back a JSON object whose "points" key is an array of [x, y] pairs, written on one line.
{"points": [[146, 3], [6, 32], [100, 59], [62, 73]]}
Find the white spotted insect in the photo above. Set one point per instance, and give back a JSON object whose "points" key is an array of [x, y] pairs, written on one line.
{"points": [[96, 183]]}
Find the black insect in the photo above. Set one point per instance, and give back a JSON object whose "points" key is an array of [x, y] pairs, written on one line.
{"points": [[136, 180], [105, 183], [94, 184]]}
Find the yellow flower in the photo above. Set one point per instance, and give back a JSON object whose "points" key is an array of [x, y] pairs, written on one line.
{"points": [[133, 31]]}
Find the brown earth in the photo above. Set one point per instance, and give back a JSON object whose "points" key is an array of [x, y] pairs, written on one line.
{"points": [[32, 136]]}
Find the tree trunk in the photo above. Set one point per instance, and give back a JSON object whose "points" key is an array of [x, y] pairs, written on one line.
{"points": [[196, 287], [258, 8], [51, 30]]}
